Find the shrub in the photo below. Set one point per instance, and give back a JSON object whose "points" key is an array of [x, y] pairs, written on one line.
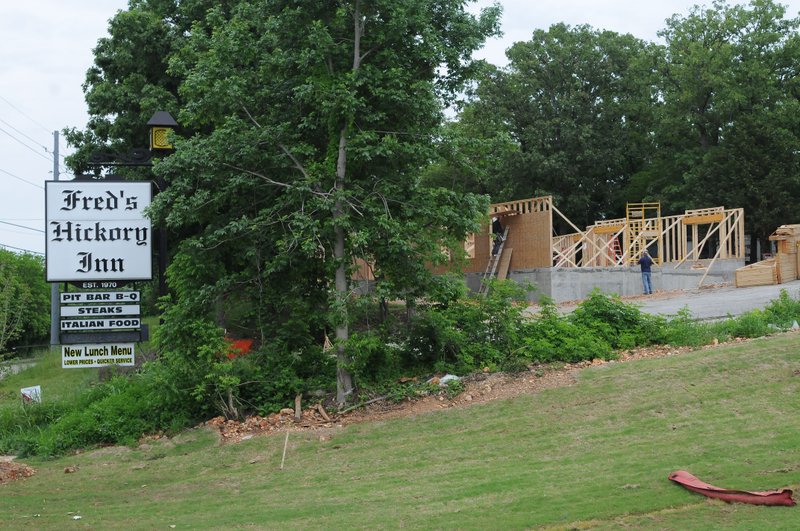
{"points": [[783, 311], [375, 358], [750, 324], [467, 334], [619, 324], [554, 338], [684, 330]]}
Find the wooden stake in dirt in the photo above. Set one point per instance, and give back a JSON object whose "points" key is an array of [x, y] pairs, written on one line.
{"points": [[298, 410], [285, 444]]}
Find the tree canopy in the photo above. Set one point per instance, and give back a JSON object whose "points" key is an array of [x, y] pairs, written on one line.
{"points": [[579, 103], [307, 126], [730, 90], [598, 119], [314, 138]]}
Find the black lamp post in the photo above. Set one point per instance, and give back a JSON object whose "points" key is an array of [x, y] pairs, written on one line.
{"points": [[161, 124]]}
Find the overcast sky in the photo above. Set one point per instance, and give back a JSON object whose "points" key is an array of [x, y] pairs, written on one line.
{"points": [[47, 48]]}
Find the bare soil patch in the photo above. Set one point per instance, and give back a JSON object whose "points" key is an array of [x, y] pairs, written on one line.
{"points": [[11, 471], [478, 389]]}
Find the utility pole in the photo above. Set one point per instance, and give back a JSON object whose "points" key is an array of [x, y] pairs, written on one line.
{"points": [[55, 310]]}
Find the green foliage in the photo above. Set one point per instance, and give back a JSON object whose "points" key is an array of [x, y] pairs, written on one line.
{"points": [[453, 388], [726, 113], [684, 330], [554, 338], [619, 324], [570, 96], [21, 423], [294, 159], [783, 311], [24, 300], [375, 360], [749, 325], [195, 372], [117, 412], [468, 334]]}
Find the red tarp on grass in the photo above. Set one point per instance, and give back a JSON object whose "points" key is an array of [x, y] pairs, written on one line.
{"points": [[770, 497]]}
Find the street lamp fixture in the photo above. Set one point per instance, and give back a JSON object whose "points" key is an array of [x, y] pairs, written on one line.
{"points": [[161, 124]]}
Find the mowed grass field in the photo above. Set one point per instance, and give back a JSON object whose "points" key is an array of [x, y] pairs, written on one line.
{"points": [[595, 455]]}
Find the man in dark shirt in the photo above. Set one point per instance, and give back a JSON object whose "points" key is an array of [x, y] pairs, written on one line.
{"points": [[646, 263], [497, 231]]}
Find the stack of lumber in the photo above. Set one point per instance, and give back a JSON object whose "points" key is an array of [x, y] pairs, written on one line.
{"points": [[782, 268], [761, 273]]}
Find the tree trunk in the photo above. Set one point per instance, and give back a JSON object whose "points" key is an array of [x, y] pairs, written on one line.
{"points": [[344, 381]]}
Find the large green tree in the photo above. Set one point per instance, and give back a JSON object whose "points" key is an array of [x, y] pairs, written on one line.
{"points": [[729, 134], [580, 105], [314, 121], [130, 80]]}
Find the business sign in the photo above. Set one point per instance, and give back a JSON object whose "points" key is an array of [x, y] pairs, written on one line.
{"points": [[117, 323], [81, 297], [85, 356], [97, 230], [100, 311]]}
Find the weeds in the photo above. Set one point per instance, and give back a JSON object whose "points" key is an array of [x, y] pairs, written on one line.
{"points": [[457, 335]]}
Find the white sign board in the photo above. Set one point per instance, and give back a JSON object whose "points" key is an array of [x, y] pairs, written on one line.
{"points": [[100, 311], [117, 323], [81, 297], [86, 356], [98, 231]]}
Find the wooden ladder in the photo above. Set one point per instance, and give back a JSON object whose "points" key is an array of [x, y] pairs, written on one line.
{"points": [[492, 266]]}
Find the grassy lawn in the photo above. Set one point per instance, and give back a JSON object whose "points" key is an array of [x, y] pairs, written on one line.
{"points": [[56, 383], [592, 456]]}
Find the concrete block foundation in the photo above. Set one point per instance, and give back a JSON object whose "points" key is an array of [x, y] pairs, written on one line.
{"points": [[567, 284]]}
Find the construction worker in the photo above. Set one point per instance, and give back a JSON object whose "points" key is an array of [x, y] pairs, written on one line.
{"points": [[645, 262], [497, 232]]}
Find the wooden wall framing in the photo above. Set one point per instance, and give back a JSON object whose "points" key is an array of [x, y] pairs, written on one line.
{"points": [[608, 243]]}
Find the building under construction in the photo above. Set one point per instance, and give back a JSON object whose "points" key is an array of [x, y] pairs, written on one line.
{"points": [[697, 248]]}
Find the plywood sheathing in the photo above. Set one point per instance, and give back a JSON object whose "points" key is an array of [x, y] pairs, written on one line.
{"points": [[530, 225], [505, 262], [763, 273]]}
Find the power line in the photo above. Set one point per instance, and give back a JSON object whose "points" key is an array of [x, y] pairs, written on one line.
{"points": [[21, 226], [26, 145], [19, 248], [63, 157], [23, 134], [21, 179], [23, 114]]}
